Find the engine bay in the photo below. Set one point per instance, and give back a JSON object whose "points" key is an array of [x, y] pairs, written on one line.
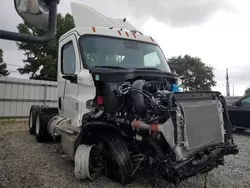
{"points": [[146, 100], [165, 127]]}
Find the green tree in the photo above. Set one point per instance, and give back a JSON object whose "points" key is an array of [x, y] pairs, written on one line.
{"points": [[3, 66], [247, 91], [44, 55], [193, 73]]}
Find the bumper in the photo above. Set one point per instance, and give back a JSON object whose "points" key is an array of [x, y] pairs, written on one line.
{"points": [[201, 162]]}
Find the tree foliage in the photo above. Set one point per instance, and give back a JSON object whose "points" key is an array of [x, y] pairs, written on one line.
{"points": [[247, 91], [3, 66], [193, 73], [44, 55]]}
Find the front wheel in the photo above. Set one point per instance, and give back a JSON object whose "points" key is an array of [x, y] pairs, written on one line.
{"points": [[118, 164]]}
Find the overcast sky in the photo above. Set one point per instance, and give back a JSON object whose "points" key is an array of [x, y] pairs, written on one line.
{"points": [[217, 31]]}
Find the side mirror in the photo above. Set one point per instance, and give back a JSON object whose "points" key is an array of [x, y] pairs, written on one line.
{"points": [[238, 103], [34, 12], [41, 14]]}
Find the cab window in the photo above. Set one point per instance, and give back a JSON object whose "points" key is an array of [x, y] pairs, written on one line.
{"points": [[68, 59], [152, 60]]}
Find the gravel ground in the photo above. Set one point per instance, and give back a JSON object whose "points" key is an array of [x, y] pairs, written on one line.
{"points": [[25, 163]]}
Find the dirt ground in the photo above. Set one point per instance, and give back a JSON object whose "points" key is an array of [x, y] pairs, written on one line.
{"points": [[24, 163]]}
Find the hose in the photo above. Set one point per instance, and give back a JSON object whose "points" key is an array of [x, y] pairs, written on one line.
{"points": [[138, 97]]}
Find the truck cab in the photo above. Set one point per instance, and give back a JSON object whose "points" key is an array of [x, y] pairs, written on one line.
{"points": [[86, 53]]}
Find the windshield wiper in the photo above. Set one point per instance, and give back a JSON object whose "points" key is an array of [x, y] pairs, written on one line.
{"points": [[117, 67], [148, 68], [111, 67]]}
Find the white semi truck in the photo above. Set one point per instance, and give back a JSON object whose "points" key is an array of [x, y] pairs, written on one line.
{"points": [[117, 111]]}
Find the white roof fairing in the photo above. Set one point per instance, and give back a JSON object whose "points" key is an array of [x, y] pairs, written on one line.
{"points": [[85, 16]]}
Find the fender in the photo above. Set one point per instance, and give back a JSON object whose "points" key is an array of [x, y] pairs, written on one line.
{"points": [[99, 126], [49, 110]]}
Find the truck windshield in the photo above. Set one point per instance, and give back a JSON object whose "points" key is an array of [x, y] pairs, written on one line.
{"points": [[116, 53]]}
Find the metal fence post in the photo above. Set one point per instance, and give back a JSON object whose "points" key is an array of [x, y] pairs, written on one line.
{"points": [[3, 109], [45, 94]]}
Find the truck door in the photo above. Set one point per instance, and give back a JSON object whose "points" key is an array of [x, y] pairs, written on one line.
{"points": [[68, 68]]}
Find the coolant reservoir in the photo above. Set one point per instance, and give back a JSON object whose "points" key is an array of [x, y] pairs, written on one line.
{"points": [[176, 87]]}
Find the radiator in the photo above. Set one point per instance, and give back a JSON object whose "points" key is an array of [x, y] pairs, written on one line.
{"points": [[203, 123]]}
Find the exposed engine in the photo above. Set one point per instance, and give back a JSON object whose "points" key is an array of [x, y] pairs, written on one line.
{"points": [[147, 101], [176, 134]]}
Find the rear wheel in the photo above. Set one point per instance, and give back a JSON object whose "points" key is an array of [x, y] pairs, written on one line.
{"points": [[118, 164], [41, 131], [34, 110]]}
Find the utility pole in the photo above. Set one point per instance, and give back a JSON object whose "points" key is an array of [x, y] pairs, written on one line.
{"points": [[227, 84], [233, 89]]}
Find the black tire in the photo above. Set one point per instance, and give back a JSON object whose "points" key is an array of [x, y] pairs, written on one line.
{"points": [[119, 166], [34, 110], [41, 131]]}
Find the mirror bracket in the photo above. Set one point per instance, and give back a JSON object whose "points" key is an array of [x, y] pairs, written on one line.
{"points": [[8, 35], [71, 78], [237, 104]]}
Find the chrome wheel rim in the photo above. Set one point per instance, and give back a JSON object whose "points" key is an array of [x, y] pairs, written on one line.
{"points": [[37, 124], [31, 120]]}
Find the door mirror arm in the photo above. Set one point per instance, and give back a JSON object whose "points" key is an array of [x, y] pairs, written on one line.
{"points": [[52, 6], [71, 78]]}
